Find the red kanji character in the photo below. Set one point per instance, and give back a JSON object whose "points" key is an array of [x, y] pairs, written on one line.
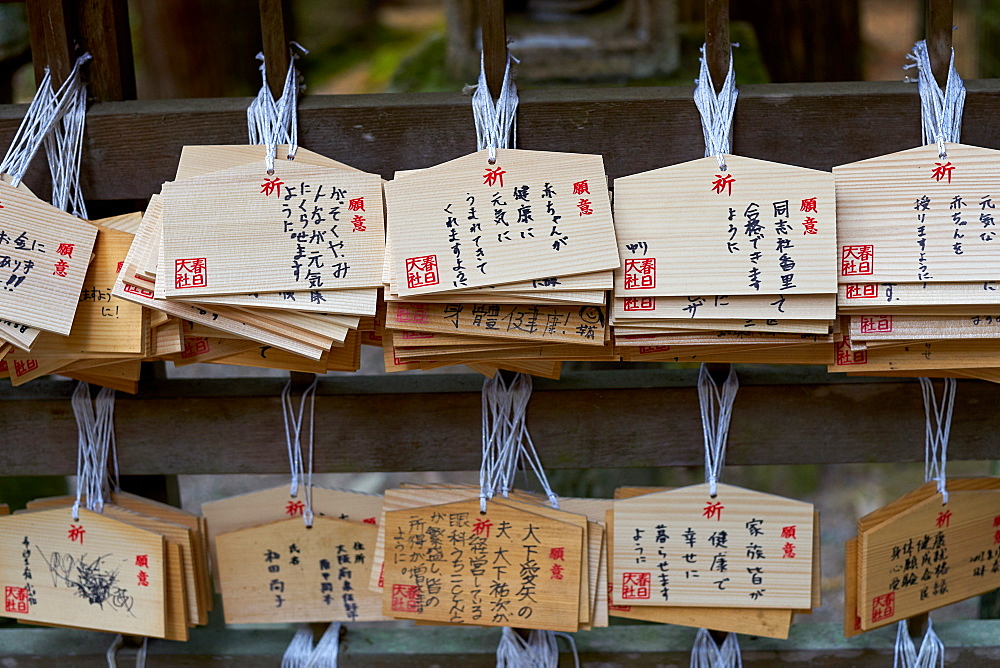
{"points": [[810, 226], [876, 324], [943, 519], [492, 176], [723, 182], [76, 532], [809, 205], [557, 570], [584, 206], [356, 204], [142, 560], [271, 187], [788, 551], [481, 527], [61, 267], [862, 290], [713, 510], [640, 304], [556, 553], [788, 532], [581, 188], [942, 170], [406, 598], [847, 356], [65, 249], [359, 224], [143, 579], [295, 508]]}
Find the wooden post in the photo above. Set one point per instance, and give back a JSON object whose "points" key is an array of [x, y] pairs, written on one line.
{"points": [[717, 45], [939, 23], [50, 27], [276, 28], [494, 30], [104, 34]]}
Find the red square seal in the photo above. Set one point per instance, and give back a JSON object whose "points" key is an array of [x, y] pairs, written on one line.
{"points": [[195, 345], [875, 324], [640, 303], [883, 606], [640, 274], [847, 356], [862, 290], [15, 599], [422, 271], [636, 585], [857, 260], [406, 598], [191, 273]]}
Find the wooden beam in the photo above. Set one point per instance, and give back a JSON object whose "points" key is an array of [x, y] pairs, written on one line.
{"points": [[967, 642], [432, 423], [133, 147]]}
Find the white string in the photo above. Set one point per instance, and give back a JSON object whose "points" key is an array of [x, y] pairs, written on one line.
{"points": [[112, 654], [715, 426], [940, 110], [507, 444], [540, 650], [931, 653], [95, 435], [707, 654], [937, 429], [299, 650], [272, 122], [45, 110], [301, 653], [64, 148], [301, 467], [496, 122], [716, 110], [327, 650]]}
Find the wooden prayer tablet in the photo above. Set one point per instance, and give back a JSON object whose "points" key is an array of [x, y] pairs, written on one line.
{"points": [[516, 568], [286, 572], [914, 216], [44, 254], [801, 307], [96, 573], [241, 230], [567, 324], [929, 555], [876, 296], [758, 228], [917, 327], [270, 505], [739, 549], [467, 223]]}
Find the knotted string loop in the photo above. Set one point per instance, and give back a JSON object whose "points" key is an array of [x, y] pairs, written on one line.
{"points": [[937, 417], [95, 439], [931, 654], [301, 466], [496, 122], [707, 654], [540, 650], [940, 110], [716, 409], [272, 122], [716, 110]]}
